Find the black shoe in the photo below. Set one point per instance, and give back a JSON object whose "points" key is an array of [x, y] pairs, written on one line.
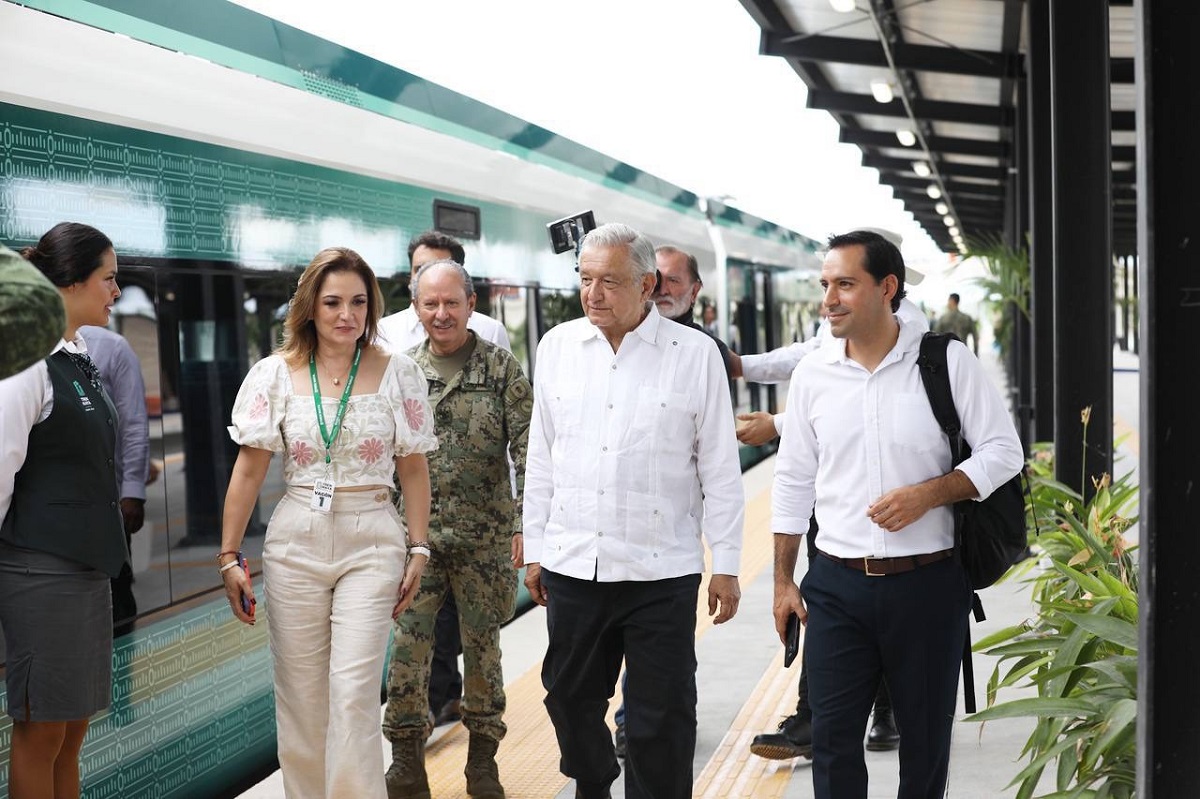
{"points": [[883, 736], [450, 713], [793, 738], [619, 741]]}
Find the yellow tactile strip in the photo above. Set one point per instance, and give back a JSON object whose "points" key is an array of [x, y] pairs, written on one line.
{"points": [[733, 771], [528, 756]]}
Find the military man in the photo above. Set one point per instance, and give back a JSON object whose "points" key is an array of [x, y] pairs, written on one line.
{"points": [[32, 319], [482, 403], [960, 324]]}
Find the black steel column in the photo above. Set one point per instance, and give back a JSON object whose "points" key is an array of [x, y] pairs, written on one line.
{"points": [[1041, 220], [1082, 210], [1022, 330], [1168, 163]]}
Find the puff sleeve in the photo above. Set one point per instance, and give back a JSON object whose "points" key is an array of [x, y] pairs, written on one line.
{"points": [[408, 394], [259, 407]]}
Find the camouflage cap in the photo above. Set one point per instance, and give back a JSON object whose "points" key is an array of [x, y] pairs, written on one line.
{"points": [[32, 319]]}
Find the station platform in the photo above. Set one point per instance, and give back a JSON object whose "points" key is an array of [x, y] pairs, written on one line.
{"points": [[744, 689]]}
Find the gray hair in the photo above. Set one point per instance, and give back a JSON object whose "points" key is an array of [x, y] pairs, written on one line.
{"points": [[468, 286], [614, 234]]}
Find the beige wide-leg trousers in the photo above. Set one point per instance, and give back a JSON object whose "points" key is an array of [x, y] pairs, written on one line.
{"points": [[331, 581]]}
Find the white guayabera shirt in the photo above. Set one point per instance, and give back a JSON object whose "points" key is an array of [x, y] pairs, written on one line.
{"points": [[632, 455]]}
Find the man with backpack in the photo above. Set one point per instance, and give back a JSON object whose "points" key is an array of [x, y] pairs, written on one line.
{"points": [[886, 595]]}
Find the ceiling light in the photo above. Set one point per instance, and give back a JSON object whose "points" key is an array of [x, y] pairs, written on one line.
{"points": [[906, 137], [953, 232], [922, 169], [948, 220], [934, 192], [843, 6], [881, 90], [942, 208]]}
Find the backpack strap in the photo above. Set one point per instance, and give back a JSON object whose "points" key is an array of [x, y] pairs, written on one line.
{"points": [[935, 376]]}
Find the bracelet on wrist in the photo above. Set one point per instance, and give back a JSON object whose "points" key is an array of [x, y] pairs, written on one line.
{"points": [[231, 564], [420, 549], [229, 552]]}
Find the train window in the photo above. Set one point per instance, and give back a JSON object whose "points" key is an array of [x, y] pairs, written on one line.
{"points": [[457, 220]]}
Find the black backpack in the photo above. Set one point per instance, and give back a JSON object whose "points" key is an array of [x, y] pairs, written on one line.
{"points": [[991, 535]]}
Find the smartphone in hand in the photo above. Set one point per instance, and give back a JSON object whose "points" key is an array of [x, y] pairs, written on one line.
{"points": [[247, 603], [791, 646]]}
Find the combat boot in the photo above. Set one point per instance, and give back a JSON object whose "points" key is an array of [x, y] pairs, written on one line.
{"points": [[406, 778], [483, 776]]}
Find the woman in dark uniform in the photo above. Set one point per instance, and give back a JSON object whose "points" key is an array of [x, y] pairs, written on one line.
{"points": [[62, 537]]}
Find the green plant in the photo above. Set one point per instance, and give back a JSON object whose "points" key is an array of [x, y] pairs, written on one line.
{"points": [[1006, 284], [1080, 652]]}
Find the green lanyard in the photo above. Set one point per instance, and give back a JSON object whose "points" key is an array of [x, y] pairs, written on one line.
{"points": [[326, 436]]}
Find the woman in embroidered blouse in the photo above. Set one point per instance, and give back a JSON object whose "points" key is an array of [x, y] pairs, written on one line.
{"points": [[62, 537], [347, 417]]}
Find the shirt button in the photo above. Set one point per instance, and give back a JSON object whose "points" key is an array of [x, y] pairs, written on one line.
{"points": [[674, 343], [602, 492], [613, 367], [112, 504], [604, 449], [610, 406], [600, 534], [656, 554], [110, 461]]}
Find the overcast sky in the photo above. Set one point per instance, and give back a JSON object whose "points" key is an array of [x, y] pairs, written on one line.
{"points": [[674, 87]]}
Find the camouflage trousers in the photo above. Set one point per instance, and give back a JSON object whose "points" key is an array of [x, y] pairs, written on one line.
{"points": [[484, 583]]}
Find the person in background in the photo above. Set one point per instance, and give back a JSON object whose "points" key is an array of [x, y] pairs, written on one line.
{"points": [[122, 375], [337, 560], [884, 597], [400, 332], [632, 461], [61, 539], [481, 401], [32, 318], [708, 318], [960, 324]]}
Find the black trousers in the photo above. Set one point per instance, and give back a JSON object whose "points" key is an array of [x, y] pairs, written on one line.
{"points": [[445, 680], [652, 626], [906, 628]]}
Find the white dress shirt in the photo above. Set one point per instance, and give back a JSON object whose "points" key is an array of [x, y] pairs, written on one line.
{"points": [[401, 331], [26, 399], [632, 455], [777, 365], [852, 435]]}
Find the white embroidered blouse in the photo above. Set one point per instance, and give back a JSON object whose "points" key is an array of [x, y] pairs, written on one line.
{"points": [[394, 421]]}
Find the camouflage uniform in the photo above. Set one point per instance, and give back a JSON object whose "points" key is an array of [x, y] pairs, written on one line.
{"points": [[32, 319], [960, 324], [480, 415]]}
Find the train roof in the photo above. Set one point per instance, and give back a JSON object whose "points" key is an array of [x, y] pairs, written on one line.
{"points": [[524, 163]]}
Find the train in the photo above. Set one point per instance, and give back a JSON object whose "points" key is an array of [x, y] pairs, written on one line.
{"points": [[221, 149]]}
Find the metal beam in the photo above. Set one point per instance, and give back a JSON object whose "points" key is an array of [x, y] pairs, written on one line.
{"points": [[955, 187], [929, 110], [917, 57], [885, 164], [1082, 206], [934, 110], [941, 144], [1168, 727]]}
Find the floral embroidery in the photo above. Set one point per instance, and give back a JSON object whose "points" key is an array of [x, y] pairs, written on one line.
{"points": [[414, 413], [370, 450], [258, 408], [302, 453]]}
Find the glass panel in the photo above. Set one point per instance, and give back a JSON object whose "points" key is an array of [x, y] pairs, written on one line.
{"points": [[135, 318], [510, 306]]}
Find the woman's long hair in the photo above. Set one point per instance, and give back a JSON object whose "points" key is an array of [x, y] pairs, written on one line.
{"points": [[299, 331]]}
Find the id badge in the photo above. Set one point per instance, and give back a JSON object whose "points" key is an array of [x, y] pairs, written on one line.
{"points": [[322, 495]]}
